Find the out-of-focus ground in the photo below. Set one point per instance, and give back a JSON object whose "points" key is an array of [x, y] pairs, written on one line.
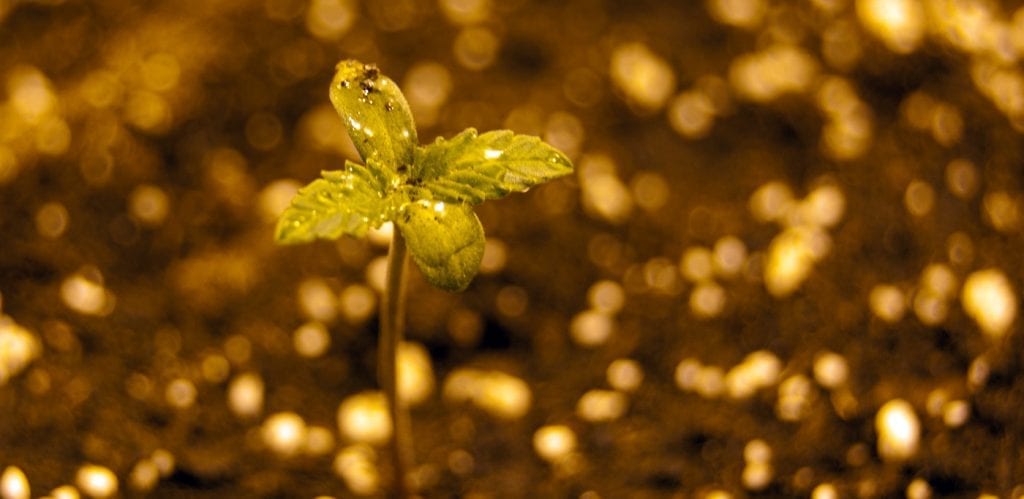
{"points": [[788, 265]]}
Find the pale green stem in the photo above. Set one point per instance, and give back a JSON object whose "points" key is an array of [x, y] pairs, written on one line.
{"points": [[392, 328]]}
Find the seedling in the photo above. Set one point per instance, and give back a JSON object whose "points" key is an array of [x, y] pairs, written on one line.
{"points": [[427, 191]]}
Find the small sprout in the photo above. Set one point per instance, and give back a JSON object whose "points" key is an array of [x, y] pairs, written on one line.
{"points": [[428, 193]]}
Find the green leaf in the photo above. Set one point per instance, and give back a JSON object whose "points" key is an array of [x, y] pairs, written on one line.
{"points": [[446, 241], [348, 201], [469, 168], [376, 115]]}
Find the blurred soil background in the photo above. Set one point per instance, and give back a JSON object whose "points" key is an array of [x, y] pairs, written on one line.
{"points": [[788, 265]]}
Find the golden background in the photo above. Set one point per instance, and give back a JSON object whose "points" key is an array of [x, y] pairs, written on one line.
{"points": [[788, 263]]}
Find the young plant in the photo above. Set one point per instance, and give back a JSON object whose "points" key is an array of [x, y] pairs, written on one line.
{"points": [[427, 191]]}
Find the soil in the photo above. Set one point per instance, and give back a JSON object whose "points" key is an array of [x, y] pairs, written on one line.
{"points": [[203, 294]]}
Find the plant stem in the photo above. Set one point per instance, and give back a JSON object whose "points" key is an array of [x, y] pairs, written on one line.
{"points": [[392, 329]]}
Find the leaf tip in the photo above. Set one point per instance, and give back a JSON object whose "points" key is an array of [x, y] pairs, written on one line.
{"points": [[559, 159], [350, 69], [284, 232]]}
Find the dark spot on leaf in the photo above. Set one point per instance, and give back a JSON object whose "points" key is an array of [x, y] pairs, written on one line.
{"points": [[367, 86], [344, 83], [368, 82], [388, 106]]}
